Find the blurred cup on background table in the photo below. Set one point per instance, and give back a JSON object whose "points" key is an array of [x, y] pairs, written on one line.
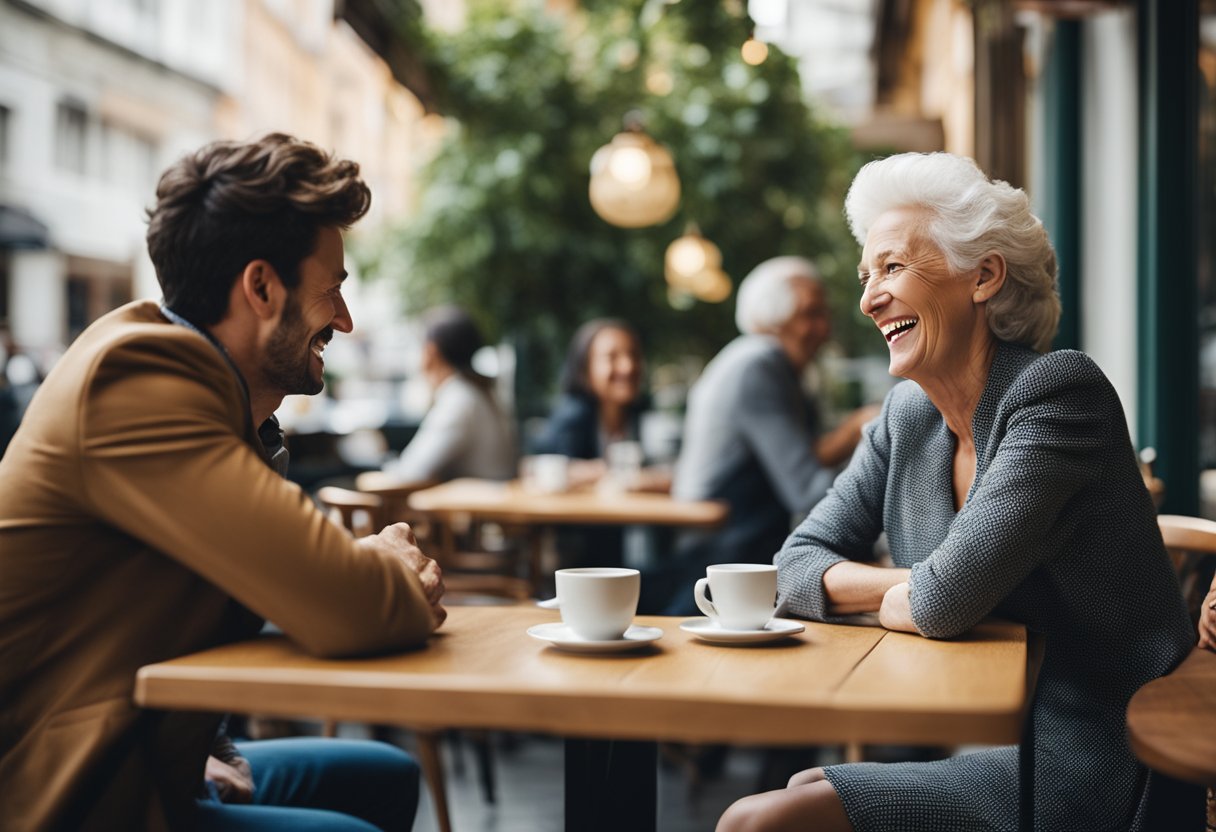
{"points": [[624, 460], [545, 473]]}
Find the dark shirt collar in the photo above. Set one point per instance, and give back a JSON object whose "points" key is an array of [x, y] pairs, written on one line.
{"points": [[270, 434]]}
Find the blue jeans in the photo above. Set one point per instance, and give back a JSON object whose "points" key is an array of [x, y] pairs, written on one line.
{"points": [[309, 785]]}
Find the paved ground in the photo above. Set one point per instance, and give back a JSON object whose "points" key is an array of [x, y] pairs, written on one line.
{"points": [[528, 770]]}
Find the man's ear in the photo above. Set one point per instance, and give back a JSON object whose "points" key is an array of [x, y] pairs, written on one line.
{"points": [[990, 277], [263, 289]]}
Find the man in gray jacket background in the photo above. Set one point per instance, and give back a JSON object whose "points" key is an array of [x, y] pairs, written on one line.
{"points": [[752, 436]]}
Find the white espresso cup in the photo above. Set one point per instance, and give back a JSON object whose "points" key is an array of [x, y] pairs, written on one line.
{"points": [[598, 603], [745, 595]]}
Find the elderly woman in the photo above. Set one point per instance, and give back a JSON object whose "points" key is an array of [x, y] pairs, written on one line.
{"points": [[1006, 483]]}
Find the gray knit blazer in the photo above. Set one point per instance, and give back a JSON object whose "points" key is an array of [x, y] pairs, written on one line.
{"points": [[1057, 532]]}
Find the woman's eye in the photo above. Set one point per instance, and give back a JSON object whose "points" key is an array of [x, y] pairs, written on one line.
{"points": [[863, 278], [892, 268]]}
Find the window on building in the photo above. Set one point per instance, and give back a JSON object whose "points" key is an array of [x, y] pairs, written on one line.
{"points": [[129, 158], [78, 305], [6, 120], [94, 288], [71, 136]]}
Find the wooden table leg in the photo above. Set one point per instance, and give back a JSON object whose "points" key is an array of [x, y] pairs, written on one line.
{"points": [[611, 785]]}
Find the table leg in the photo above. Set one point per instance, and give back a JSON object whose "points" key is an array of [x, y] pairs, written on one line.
{"points": [[611, 785], [1035, 647]]}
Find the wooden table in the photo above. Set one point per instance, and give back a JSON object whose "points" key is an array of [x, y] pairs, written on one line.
{"points": [[1172, 721], [456, 503], [831, 684], [511, 503]]}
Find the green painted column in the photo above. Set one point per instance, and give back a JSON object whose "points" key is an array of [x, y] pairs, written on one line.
{"points": [[1062, 165], [1167, 315]]}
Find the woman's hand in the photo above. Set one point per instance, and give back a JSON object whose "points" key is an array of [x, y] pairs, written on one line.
{"points": [[896, 610], [853, 588], [1207, 620], [584, 473]]}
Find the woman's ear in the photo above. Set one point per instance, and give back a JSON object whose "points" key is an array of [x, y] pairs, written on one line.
{"points": [[990, 277], [263, 289]]}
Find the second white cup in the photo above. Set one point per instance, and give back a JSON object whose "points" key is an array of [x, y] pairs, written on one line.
{"points": [[598, 603], [744, 595]]}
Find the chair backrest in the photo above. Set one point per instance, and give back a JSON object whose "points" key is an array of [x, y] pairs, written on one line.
{"points": [[360, 513], [1188, 534], [1190, 542], [380, 500]]}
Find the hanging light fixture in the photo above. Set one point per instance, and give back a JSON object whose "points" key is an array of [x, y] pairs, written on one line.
{"points": [[633, 179], [693, 265], [754, 51]]}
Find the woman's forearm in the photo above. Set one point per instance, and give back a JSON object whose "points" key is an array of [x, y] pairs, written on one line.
{"points": [[859, 587]]}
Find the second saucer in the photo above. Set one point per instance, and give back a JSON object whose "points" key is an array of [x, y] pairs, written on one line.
{"points": [[563, 638], [777, 628]]}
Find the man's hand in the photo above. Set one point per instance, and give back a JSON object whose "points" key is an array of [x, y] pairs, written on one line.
{"points": [[896, 610], [233, 782], [1207, 620], [399, 538]]}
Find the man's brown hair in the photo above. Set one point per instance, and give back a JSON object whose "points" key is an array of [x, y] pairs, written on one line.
{"points": [[230, 203]]}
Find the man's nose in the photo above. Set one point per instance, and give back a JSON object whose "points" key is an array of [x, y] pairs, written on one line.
{"points": [[342, 320]]}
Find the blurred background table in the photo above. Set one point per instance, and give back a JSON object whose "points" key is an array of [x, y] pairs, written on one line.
{"points": [[512, 503], [457, 504]]}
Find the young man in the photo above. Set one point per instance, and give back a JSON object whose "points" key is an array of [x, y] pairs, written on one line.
{"points": [[143, 514]]}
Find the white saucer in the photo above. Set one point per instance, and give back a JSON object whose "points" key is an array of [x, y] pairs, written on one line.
{"points": [[561, 637], [777, 628], [549, 604]]}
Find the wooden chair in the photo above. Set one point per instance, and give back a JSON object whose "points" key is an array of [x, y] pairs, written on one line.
{"points": [[472, 573], [1154, 484], [363, 514], [1190, 542], [380, 501]]}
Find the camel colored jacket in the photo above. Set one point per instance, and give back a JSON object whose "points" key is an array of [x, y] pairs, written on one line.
{"points": [[140, 521]]}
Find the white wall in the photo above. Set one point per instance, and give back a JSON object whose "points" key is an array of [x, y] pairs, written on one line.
{"points": [[39, 299], [1109, 200]]}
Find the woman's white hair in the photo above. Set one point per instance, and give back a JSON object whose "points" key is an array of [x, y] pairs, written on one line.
{"points": [[970, 216], [766, 300]]}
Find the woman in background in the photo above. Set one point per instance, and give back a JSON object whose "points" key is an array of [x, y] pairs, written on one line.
{"points": [[601, 403], [465, 433]]}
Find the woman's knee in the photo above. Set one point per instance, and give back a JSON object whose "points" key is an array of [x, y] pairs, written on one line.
{"points": [[747, 814], [810, 775], [812, 805]]}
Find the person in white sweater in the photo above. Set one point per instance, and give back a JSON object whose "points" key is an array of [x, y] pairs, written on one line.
{"points": [[465, 433]]}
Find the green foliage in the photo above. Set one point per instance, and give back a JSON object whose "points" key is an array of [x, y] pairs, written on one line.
{"points": [[505, 227]]}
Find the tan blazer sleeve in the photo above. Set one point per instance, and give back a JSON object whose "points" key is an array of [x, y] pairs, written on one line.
{"points": [[163, 457]]}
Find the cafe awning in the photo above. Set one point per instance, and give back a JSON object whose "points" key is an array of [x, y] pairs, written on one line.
{"points": [[21, 229]]}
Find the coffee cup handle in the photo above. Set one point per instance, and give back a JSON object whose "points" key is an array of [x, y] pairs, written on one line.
{"points": [[704, 604]]}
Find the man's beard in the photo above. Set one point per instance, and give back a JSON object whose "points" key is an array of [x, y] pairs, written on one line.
{"points": [[289, 356]]}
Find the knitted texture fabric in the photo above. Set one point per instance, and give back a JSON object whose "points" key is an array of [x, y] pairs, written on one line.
{"points": [[1058, 533]]}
